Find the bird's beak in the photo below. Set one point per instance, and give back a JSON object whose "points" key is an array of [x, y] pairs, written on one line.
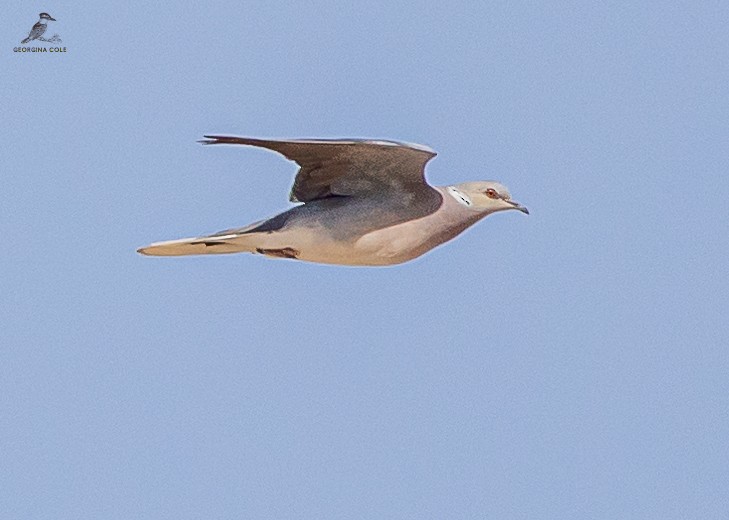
{"points": [[51, 18], [518, 206]]}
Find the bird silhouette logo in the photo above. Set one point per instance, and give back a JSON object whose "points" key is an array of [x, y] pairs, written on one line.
{"points": [[39, 29]]}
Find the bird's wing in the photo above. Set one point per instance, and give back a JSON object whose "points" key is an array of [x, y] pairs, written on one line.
{"points": [[349, 167], [37, 30]]}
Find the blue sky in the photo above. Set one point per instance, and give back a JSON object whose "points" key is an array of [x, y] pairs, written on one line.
{"points": [[569, 364]]}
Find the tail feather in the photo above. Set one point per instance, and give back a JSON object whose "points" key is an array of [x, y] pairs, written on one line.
{"points": [[210, 245]]}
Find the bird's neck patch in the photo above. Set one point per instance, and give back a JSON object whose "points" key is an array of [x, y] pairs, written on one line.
{"points": [[460, 197]]}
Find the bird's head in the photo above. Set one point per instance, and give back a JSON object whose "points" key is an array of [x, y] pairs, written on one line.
{"points": [[46, 16], [486, 196]]}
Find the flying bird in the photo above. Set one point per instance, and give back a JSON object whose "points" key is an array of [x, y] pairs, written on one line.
{"points": [[365, 203], [39, 28]]}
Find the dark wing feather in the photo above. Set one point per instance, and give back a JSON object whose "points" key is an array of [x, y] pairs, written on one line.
{"points": [[36, 32], [348, 167]]}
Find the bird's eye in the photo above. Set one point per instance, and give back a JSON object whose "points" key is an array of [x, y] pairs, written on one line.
{"points": [[492, 193]]}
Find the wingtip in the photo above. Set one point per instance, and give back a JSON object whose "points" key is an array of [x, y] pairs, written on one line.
{"points": [[209, 139], [223, 139]]}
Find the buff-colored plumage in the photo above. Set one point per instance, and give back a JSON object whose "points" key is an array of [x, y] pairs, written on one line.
{"points": [[365, 202]]}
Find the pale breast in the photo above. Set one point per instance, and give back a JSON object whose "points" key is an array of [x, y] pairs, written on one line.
{"points": [[411, 239]]}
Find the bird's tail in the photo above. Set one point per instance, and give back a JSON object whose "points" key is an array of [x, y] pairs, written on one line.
{"points": [[25, 41], [207, 245]]}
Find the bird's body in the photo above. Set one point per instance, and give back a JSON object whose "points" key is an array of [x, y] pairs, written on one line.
{"points": [[353, 214], [39, 28]]}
